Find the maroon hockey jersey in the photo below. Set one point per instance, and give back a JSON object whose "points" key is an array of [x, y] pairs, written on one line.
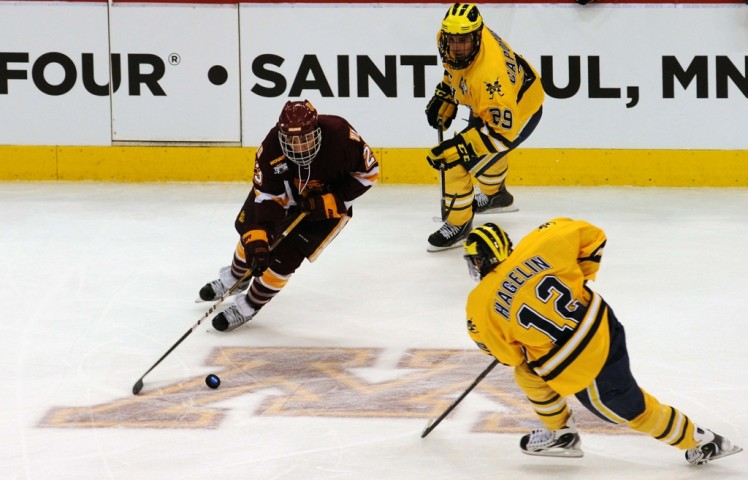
{"points": [[345, 165]]}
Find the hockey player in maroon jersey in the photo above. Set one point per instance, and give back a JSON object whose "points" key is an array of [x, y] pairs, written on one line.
{"points": [[308, 162]]}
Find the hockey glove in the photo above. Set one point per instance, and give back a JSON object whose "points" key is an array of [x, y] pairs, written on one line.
{"points": [[442, 108], [257, 250], [449, 154], [322, 206]]}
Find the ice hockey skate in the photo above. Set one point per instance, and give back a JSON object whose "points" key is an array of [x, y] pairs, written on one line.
{"points": [[564, 442], [500, 202], [217, 288], [711, 447], [448, 236], [235, 316]]}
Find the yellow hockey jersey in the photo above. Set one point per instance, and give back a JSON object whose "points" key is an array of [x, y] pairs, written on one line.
{"points": [[534, 307], [499, 86]]}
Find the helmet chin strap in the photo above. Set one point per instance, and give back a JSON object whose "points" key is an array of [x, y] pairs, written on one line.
{"points": [[308, 176]]}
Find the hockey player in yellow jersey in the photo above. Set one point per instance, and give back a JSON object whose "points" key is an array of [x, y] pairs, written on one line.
{"points": [[505, 96], [534, 311]]}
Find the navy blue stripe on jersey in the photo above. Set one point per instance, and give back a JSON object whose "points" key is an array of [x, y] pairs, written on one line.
{"points": [[527, 79], [588, 331], [596, 255], [499, 137]]}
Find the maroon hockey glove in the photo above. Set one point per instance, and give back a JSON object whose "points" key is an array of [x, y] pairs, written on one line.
{"points": [[323, 206], [257, 250]]}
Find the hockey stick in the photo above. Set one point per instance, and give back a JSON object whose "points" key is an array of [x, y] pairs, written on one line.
{"points": [[139, 384], [436, 421], [443, 204]]}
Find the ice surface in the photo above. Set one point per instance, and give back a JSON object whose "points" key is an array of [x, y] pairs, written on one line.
{"points": [[338, 375]]}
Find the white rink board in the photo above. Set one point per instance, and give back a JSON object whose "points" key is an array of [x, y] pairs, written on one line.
{"points": [[30, 117], [632, 58], [322, 52], [193, 108]]}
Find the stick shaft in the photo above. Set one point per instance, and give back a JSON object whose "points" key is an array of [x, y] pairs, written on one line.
{"points": [[139, 384], [433, 423], [442, 202], [442, 182]]}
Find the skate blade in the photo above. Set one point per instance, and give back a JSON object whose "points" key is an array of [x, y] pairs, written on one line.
{"points": [[559, 452], [235, 292], [432, 248], [735, 449], [509, 209]]}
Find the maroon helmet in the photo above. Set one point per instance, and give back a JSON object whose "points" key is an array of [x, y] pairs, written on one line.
{"points": [[299, 133]]}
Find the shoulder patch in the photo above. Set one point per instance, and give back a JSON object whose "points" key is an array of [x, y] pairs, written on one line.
{"points": [[471, 326], [494, 87], [276, 160]]}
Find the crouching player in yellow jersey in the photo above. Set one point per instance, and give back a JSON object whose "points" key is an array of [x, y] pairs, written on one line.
{"points": [[533, 310], [505, 96]]}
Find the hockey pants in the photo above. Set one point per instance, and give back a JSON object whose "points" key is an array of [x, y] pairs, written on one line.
{"points": [[307, 240], [458, 181]]}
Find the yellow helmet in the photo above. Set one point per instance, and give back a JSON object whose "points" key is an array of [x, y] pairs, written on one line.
{"points": [[486, 247], [462, 19]]}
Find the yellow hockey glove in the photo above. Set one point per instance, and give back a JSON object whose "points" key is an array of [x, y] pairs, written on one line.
{"points": [[449, 153], [472, 149], [442, 108]]}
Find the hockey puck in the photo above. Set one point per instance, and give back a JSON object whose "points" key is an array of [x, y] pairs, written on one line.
{"points": [[212, 381]]}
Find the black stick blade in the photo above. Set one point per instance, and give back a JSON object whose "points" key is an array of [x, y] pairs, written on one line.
{"points": [[137, 387], [429, 426]]}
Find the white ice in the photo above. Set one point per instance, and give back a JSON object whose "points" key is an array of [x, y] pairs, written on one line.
{"points": [[98, 281]]}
